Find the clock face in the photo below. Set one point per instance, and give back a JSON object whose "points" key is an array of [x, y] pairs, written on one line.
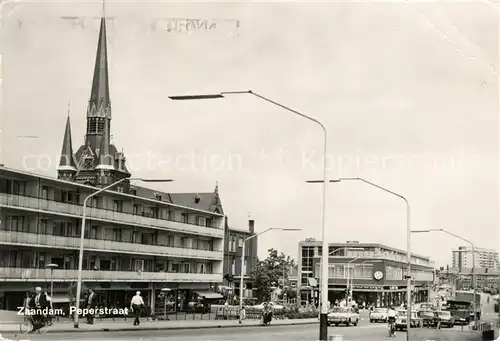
{"points": [[378, 275]]}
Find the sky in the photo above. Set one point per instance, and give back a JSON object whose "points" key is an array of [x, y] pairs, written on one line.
{"points": [[408, 92]]}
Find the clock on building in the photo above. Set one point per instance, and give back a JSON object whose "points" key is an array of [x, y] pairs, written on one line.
{"points": [[378, 275]]}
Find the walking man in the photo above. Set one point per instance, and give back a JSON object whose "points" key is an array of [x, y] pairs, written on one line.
{"points": [[136, 304], [90, 306]]}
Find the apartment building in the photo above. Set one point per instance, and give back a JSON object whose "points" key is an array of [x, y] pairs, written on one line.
{"points": [[135, 241], [485, 258], [376, 273], [233, 247]]}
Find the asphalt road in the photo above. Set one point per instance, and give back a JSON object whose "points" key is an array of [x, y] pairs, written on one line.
{"points": [[364, 331]]}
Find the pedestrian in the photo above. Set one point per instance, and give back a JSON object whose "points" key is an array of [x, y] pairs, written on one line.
{"points": [[90, 307], [136, 303]]}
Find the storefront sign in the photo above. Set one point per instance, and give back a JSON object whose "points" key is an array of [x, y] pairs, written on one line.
{"points": [[367, 287]]}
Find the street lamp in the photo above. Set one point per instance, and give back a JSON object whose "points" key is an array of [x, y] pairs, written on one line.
{"points": [[243, 262], [51, 266], [349, 278], [164, 292], [473, 262], [408, 238], [323, 325], [82, 234]]}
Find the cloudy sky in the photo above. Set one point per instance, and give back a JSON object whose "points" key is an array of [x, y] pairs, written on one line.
{"points": [[408, 92]]}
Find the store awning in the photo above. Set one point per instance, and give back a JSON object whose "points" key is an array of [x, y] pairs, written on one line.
{"points": [[210, 295]]}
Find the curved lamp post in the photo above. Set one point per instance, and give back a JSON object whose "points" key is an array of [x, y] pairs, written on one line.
{"points": [[408, 239], [323, 325], [82, 234], [473, 262], [242, 273]]}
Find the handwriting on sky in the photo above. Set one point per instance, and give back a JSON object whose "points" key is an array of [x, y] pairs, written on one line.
{"points": [[167, 25]]}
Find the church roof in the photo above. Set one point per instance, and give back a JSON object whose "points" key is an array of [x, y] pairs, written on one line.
{"points": [[67, 160]]}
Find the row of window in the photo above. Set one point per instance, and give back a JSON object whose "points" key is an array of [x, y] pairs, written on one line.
{"points": [[75, 198], [39, 260], [234, 242], [124, 235], [312, 251]]}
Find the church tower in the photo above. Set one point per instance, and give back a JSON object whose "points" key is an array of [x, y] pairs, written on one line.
{"points": [[97, 162]]}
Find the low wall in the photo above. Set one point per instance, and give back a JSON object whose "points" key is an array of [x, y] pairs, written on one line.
{"points": [[444, 335]]}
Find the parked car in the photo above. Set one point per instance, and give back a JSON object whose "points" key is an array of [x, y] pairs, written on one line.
{"points": [[343, 315], [445, 318], [378, 315], [415, 322], [428, 317]]}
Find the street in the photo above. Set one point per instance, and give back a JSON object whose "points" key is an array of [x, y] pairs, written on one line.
{"points": [[365, 331]]}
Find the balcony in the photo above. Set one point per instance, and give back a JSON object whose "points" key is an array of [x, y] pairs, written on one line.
{"points": [[23, 274], [57, 242], [76, 211]]}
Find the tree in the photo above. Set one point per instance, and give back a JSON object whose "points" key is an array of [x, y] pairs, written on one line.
{"points": [[73, 288], [272, 273]]}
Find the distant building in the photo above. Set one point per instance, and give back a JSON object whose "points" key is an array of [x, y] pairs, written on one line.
{"points": [[233, 246], [462, 278], [377, 273], [485, 258]]}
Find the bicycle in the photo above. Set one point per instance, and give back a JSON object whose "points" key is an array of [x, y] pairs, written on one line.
{"points": [[26, 326]]}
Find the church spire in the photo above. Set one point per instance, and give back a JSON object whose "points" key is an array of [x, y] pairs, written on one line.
{"points": [[67, 161], [99, 107]]}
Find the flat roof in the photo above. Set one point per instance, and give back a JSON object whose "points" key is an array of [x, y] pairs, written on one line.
{"points": [[4, 169], [359, 245]]}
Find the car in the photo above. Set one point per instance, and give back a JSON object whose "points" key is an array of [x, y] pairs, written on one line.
{"points": [[378, 315], [415, 322], [343, 315], [445, 318], [428, 317]]}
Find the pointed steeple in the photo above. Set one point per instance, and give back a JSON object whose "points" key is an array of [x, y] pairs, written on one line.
{"points": [[99, 95], [67, 161], [99, 107], [216, 190]]}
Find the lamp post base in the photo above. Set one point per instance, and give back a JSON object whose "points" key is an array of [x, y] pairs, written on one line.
{"points": [[323, 327], [75, 325]]}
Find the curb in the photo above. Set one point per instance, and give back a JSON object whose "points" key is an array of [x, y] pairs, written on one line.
{"points": [[130, 329]]}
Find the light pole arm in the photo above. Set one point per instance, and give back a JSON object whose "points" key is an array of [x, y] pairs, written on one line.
{"points": [[82, 237], [243, 265], [377, 186]]}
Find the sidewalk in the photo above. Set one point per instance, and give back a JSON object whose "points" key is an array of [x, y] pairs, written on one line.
{"points": [[109, 326]]}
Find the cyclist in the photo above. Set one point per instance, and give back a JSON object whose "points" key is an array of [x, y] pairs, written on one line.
{"points": [[391, 319], [37, 303]]}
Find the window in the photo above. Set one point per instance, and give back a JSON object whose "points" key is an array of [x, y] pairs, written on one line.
{"points": [[202, 221], [175, 267], [185, 218], [245, 267], [233, 266], [117, 205], [139, 265], [45, 192], [117, 234], [208, 222], [233, 243], [136, 209], [240, 242], [93, 232], [185, 268]]}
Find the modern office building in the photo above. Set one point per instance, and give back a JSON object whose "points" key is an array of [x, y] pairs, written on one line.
{"points": [[376, 273], [233, 246], [135, 238], [485, 258]]}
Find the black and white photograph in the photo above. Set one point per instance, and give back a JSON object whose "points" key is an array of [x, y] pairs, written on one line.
{"points": [[249, 170]]}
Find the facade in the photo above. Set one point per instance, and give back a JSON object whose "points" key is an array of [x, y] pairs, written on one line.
{"points": [[376, 271], [132, 242], [485, 258], [462, 278], [135, 238], [233, 246]]}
